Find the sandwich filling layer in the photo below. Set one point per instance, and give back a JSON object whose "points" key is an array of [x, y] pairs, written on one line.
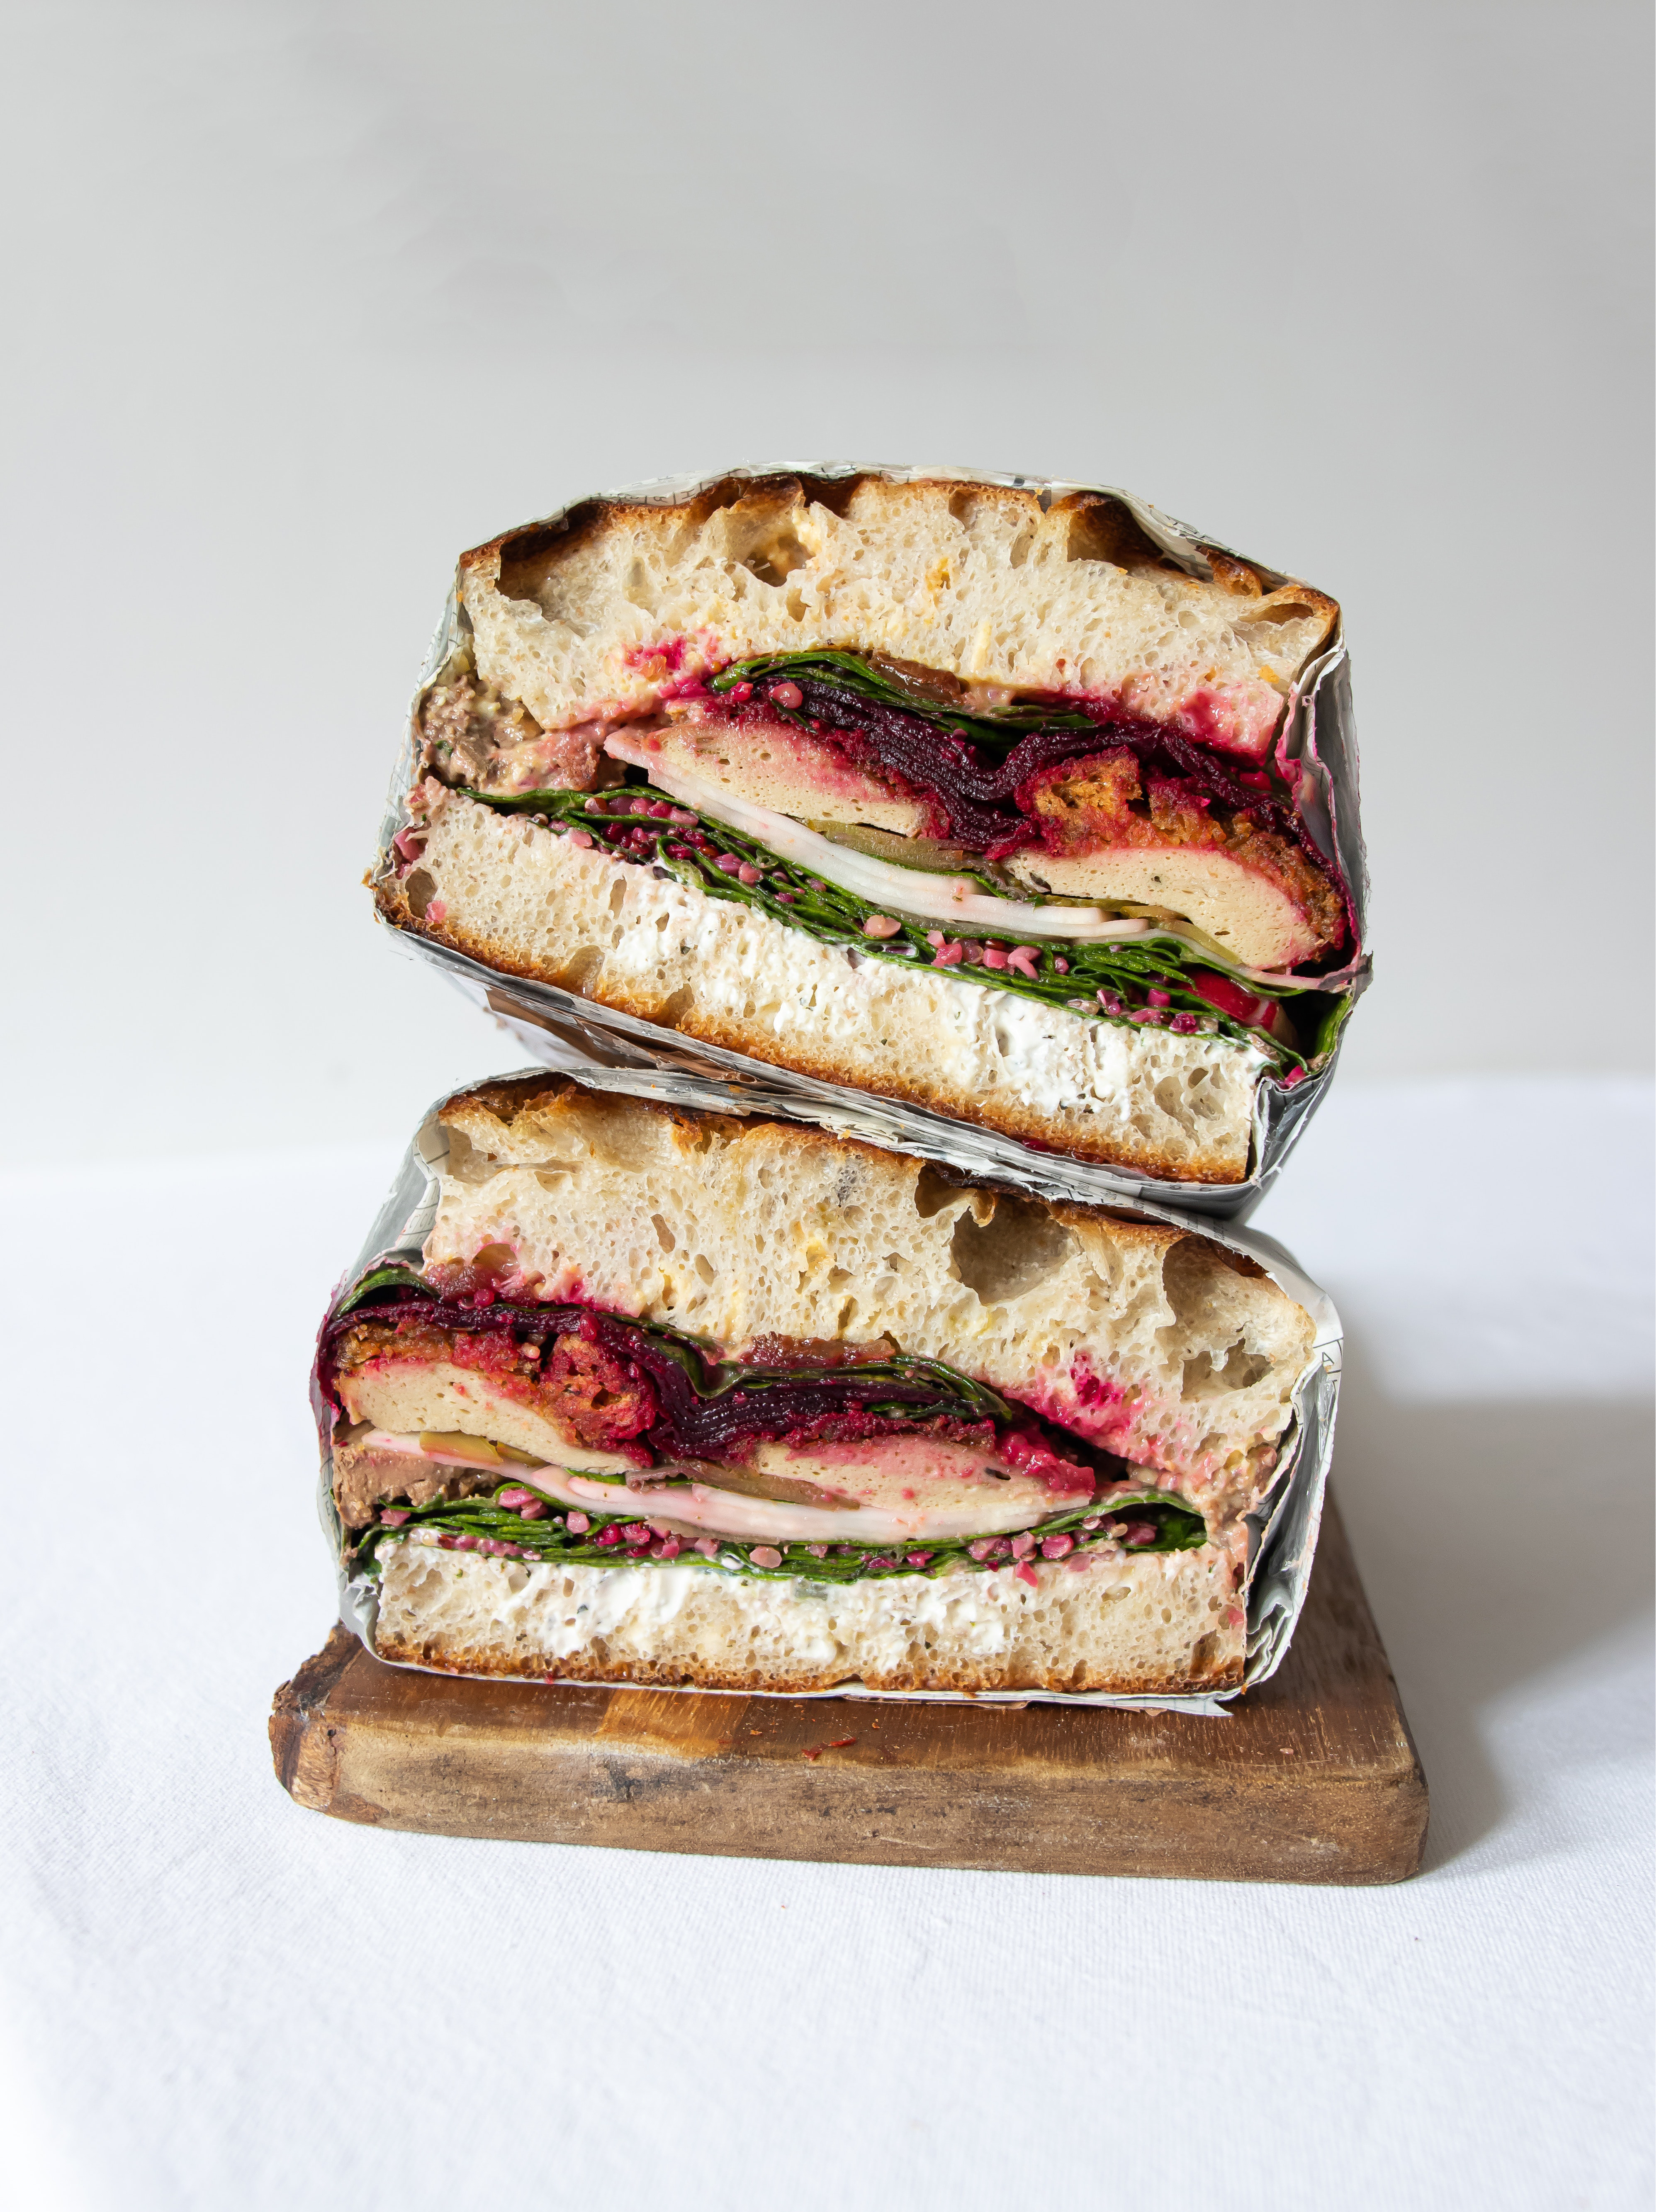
{"points": [[1115, 867], [551, 1514], [561, 1426]]}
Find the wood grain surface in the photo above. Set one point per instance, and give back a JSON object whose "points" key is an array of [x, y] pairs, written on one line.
{"points": [[1313, 1778]]}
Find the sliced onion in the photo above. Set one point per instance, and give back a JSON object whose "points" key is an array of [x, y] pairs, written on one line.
{"points": [[702, 1509]]}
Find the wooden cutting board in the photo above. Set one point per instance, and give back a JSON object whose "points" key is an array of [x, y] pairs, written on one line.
{"points": [[1313, 1778]]}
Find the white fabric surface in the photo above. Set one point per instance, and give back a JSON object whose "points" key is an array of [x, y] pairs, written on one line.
{"points": [[212, 1998]]}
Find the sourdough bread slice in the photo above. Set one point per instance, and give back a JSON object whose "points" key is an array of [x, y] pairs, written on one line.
{"points": [[527, 900], [1151, 1341], [604, 611], [1170, 1623]]}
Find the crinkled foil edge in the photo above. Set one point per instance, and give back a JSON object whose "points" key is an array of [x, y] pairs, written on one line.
{"points": [[1284, 1530], [618, 1052]]}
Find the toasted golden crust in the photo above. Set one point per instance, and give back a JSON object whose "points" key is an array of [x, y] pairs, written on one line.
{"points": [[525, 1103], [601, 611], [1103, 526], [443, 1657]]}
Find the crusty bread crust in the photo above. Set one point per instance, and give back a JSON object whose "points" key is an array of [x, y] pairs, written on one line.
{"points": [[1167, 1624], [992, 584], [1153, 1342], [528, 902]]}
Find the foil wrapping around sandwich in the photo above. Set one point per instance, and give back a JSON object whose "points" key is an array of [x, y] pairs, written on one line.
{"points": [[1283, 1531], [615, 1051]]}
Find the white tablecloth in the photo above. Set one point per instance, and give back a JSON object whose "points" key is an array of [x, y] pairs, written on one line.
{"points": [[212, 1998]]}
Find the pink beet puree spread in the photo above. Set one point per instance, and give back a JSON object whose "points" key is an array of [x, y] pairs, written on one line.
{"points": [[1230, 718], [1233, 718], [1115, 1419], [674, 668]]}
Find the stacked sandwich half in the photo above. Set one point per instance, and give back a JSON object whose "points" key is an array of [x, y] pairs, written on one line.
{"points": [[969, 796], [990, 804]]}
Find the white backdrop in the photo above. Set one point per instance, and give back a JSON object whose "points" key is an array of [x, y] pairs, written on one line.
{"points": [[307, 295]]}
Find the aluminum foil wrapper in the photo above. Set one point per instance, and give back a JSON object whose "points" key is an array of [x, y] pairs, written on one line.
{"points": [[615, 1051], [1284, 1531]]}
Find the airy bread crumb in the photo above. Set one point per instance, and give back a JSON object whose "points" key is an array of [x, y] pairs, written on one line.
{"points": [[1133, 1626], [528, 902], [992, 584], [1152, 1342]]}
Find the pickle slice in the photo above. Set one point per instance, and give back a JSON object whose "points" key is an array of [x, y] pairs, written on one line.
{"points": [[478, 1451]]}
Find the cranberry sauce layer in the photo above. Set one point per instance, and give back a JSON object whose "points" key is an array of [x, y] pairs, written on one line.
{"points": [[626, 1387]]}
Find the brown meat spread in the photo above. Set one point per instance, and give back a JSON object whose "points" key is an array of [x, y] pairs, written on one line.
{"points": [[365, 1477], [477, 738]]}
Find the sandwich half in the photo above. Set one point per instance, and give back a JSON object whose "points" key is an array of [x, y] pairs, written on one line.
{"points": [[966, 795], [675, 1398]]}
